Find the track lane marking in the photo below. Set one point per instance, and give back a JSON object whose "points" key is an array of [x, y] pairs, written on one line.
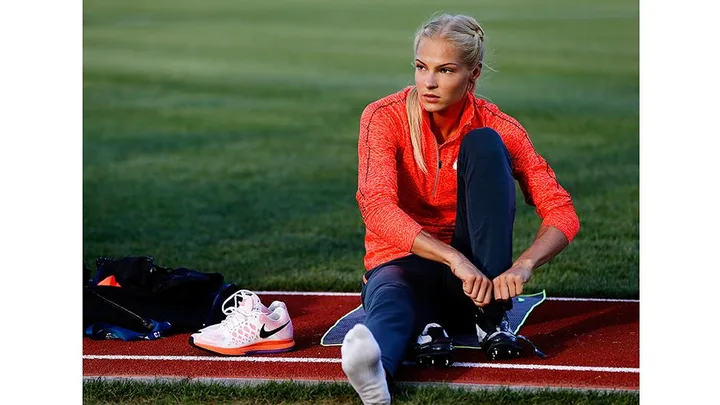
{"points": [[337, 361]]}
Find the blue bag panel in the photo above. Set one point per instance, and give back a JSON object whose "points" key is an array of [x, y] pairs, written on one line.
{"points": [[102, 331]]}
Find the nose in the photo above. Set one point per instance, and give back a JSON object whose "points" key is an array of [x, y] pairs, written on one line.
{"points": [[430, 81]]}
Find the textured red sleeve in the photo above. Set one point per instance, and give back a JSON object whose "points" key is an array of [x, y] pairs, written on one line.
{"points": [[377, 181], [537, 179]]}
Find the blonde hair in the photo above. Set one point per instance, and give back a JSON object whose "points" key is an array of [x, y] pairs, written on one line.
{"points": [[468, 37]]}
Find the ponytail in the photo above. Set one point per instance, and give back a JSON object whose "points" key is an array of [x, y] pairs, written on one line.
{"points": [[415, 121]]}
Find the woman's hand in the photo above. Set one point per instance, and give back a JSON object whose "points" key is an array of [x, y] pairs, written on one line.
{"points": [[510, 283], [475, 284]]}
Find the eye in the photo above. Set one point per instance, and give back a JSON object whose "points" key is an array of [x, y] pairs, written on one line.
{"points": [[446, 70], [419, 67]]}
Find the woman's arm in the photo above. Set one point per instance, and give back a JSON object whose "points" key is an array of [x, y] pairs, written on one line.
{"points": [[377, 193], [548, 242], [431, 248], [553, 204]]}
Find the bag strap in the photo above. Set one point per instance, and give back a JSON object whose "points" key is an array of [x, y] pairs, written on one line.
{"points": [[146, 323]]}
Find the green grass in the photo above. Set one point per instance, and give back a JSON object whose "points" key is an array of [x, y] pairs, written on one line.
{"points": [[184, 392], [222, 135]]}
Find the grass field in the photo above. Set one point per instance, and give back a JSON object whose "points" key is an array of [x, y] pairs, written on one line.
{"points": [[329, 394], [222, 135]]}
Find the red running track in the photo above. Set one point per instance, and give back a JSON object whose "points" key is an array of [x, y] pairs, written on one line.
{"points": [[590, 345]]}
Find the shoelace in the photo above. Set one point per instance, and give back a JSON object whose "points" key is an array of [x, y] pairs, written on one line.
{"points": [[228, 309], [236, 299], [235, 317]]}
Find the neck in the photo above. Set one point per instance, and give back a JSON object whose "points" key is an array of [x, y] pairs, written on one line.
{"points": [[444, 123]]}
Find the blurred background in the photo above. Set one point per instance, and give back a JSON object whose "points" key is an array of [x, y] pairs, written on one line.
{"points": [[222, 135]]}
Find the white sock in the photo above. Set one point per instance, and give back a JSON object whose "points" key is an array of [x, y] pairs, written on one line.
{"points": [[361, 363]]}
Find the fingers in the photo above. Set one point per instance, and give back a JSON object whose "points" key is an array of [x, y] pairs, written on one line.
{"points": [[518, 286], [473, 287], [487, 293], [497, 290], [468, 286], [501, 288], [506, 287], [468, 283], [484, 292], [477, 286]]}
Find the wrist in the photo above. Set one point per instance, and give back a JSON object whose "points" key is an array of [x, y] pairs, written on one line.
{"points": [[524, 263], [453, 259]]}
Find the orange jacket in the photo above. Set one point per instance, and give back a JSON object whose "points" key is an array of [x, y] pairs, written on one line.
{"points": [[397, 200]]}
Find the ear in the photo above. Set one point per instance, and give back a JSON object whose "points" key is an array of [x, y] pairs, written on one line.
{"points": [[475, 73]]}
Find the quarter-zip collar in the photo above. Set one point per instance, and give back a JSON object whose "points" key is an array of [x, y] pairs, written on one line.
{"points": [[432, 148], [467, 120]]}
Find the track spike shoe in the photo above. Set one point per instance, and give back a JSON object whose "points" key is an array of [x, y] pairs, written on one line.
{"points": [[433, 347], [497, 339]]}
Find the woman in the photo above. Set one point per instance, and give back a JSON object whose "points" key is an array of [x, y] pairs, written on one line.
{"points": [[436, 191]]}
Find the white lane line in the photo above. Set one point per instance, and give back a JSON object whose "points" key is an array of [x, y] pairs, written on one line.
{"points": [[355, 294], [550, 367], [589, 299], [333, 360], [212, 358]]}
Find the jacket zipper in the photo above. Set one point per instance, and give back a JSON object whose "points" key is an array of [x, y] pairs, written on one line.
{"points": [[437, 171]]}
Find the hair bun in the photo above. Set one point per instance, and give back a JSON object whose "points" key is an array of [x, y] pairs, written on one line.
{"points": [[477, 30]]}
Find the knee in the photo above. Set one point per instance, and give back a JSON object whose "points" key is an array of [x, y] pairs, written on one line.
{"points": [[484, 142], [393, 293], [391, 301]]}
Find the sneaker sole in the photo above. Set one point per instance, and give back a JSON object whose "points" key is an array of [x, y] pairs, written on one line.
{"points": [[435, 355], [504, 351], [273, 346], [435, 360]]}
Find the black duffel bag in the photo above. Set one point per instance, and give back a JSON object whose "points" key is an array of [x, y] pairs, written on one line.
{"points": [[133, 294]]}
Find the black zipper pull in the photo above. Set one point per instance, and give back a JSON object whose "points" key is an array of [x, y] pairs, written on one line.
{"points": [[439, 164]]}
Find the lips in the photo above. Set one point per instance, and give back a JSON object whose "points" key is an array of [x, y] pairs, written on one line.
{"points": [[431, 98]]}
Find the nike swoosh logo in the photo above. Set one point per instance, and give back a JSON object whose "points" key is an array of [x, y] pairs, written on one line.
{"points": [[267, 333]]}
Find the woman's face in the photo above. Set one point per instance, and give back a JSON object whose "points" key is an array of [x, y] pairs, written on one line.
{"points": [[440, 77]]}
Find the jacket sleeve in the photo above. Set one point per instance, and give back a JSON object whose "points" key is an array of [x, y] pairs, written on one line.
{"points": [[377, 193], [537, 180]]}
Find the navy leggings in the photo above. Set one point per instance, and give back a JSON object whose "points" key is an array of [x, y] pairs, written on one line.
{"points": [[403, 295]]}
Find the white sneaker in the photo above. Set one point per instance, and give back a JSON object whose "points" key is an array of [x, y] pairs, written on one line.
{"points": [[233, 301], [248, 329]]}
